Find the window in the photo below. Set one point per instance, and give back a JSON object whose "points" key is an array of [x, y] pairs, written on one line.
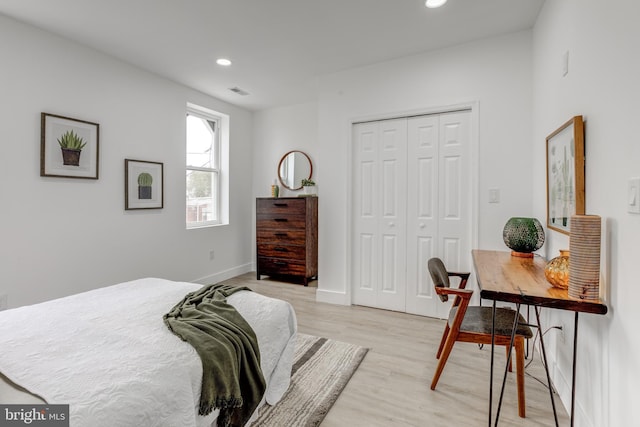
{"points": [[204, 168]]}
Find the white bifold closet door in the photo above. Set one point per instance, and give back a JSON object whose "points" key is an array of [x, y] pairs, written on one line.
{"points": [[411, 201]]}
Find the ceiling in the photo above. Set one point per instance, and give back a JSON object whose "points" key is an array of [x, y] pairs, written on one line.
{"points": [[278, 47]]}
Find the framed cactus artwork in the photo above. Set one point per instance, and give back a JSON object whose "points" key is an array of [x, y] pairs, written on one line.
{"points": [[565, 174], [69, 147], [143, 184]]}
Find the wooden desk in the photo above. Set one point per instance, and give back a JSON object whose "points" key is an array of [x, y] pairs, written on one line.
{"points": [[502, 277]]}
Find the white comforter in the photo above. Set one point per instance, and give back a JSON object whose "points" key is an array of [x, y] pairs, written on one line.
{"points": [[110, 356]]}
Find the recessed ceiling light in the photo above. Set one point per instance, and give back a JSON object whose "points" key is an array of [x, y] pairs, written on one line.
{"points": [[224, 62], [432, 4]]}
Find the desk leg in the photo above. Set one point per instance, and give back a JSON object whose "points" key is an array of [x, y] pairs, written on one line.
{"points": [[506, 368], [493, 336], [526, 354], [546, 366], [573, 375]]}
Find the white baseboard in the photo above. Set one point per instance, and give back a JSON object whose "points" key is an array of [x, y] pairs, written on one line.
{"points": [[562, 383], [224, 275], [332, 297]]}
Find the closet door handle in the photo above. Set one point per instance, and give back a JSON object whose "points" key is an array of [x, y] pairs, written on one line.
{"points": [[392, 224], [422, 225]]}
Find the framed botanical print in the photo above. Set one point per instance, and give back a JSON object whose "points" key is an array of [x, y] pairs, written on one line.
{"points": [[143, 185], [69, 147], [565, 174]]}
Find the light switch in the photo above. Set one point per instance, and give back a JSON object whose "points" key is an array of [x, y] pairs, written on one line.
{"points": [[494, 195], [633, 196]]}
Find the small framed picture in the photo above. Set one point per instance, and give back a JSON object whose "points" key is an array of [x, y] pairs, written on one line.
{"points": [[143, 185], [69, 147], [565, 175]]}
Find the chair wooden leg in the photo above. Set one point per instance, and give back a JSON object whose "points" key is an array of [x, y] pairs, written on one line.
{"points": [[442, 340], [519, 344], [448, 345], [506, 347]]}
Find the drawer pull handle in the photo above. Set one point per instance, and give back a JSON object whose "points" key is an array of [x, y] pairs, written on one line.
{"points": [[281, 234], [280, 249], [280, 219], [280, 263], [280, 205]]}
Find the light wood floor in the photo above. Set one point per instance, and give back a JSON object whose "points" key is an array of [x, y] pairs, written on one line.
{"points": [[391, 386]]}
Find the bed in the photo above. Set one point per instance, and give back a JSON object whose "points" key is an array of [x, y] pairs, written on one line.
{"points": [[108, 354]]}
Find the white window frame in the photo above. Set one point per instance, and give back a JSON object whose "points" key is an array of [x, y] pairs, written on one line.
{"points": [[220, 192]]}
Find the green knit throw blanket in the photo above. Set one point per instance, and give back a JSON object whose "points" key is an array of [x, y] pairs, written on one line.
{"points": [[232, 379]]}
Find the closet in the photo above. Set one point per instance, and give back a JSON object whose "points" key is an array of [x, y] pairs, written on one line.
{"points": [[411, 201]]}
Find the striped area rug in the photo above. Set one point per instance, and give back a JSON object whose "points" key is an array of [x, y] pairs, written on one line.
{"points": [[321, 369]]}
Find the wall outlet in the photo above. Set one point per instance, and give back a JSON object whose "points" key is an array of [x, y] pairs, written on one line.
{"points": [[4, 301], [633, 203], [494, 195], [561, 331], [212, 255], [565, 63]]}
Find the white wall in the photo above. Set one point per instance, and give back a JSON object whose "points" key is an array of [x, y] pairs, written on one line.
{"points": [[277, 131], [61, 236], [602, 85], [495, 73]]}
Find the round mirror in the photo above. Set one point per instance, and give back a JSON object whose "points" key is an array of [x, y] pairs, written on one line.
{"points": [[293, 168]]}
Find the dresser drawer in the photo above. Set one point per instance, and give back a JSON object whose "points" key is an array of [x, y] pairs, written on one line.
{"points": [[276, 250], [283, 206], [287, 237], [283, 267], [280, 221]]}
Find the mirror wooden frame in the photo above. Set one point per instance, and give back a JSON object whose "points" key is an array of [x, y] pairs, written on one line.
{"points": [[282, 160]]}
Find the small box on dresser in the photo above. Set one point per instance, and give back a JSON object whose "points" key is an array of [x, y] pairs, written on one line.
{"points": [[287, 237]]}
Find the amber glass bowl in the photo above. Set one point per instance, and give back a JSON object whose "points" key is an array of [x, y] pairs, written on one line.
{"points": [[557, 270]]}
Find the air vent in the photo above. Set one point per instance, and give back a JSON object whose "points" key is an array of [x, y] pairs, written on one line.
{"points": [[239, 91]]}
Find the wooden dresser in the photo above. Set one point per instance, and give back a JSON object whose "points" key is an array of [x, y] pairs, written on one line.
{"points": [[287, 237]]}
